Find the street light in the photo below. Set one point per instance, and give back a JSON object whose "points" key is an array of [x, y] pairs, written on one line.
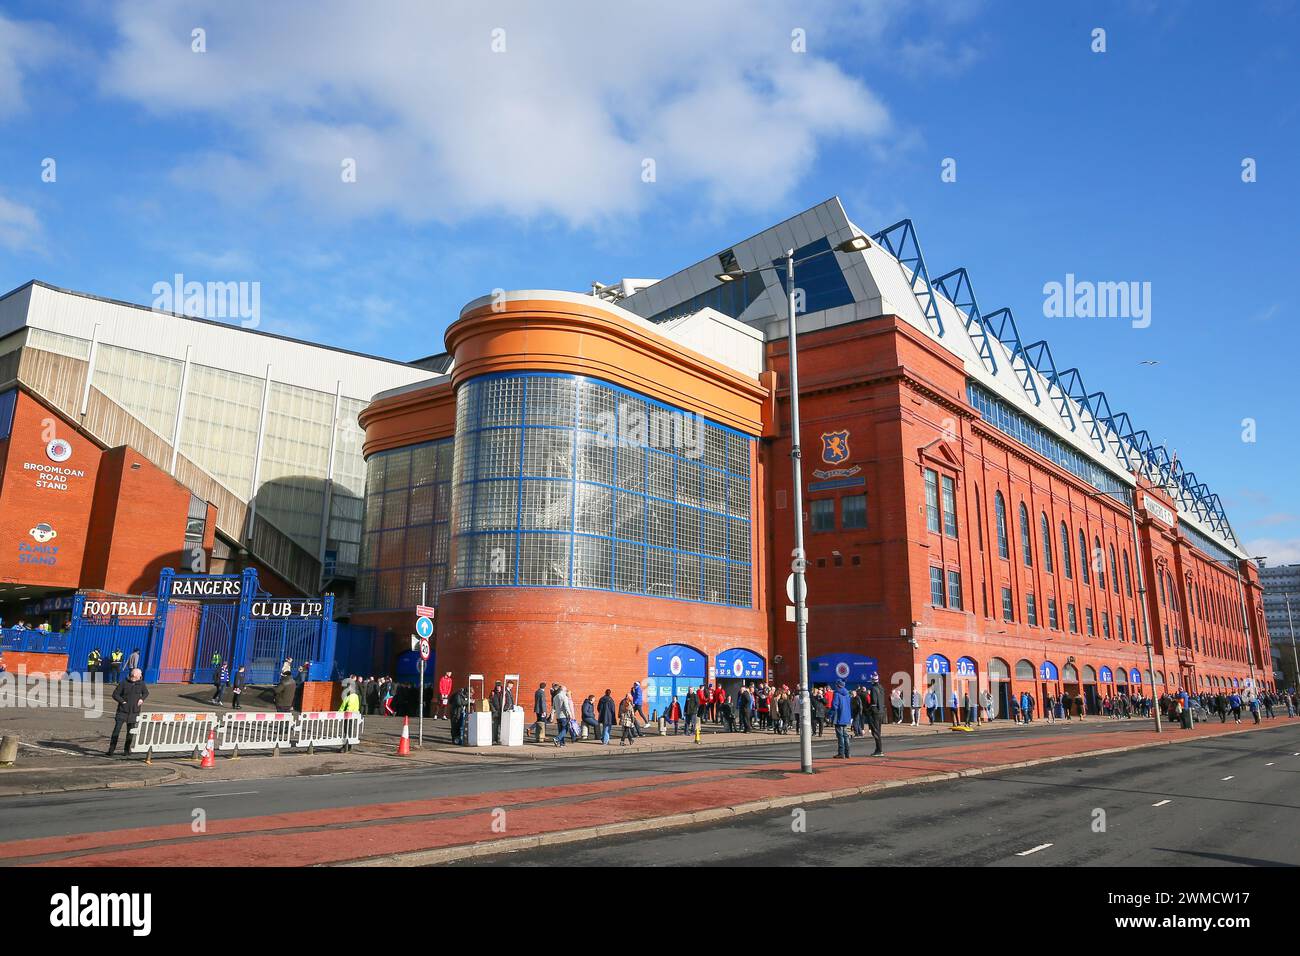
{"points": [[799, 560], [1142, 595]]}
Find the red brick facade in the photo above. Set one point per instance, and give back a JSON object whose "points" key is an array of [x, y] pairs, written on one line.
{"points": [[73, 515]]}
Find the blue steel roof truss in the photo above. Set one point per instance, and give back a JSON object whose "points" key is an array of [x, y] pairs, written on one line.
{"points": [[956, 286], [1039, 355], [900, 242], [1004, 327], [1108, 429]]}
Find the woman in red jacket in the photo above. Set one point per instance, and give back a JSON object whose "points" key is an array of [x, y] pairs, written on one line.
{"points": [[674, 714]]}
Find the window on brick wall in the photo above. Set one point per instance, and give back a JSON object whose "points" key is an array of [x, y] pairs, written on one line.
{"points": [[1008, 607], [1026, 543], [1065, 551], [1000, 513], [954, 590], [1045, 532], [1052, 620], [936, 586], [1073, 617], [1088, 619], [1031, 610], [823, 514], [853, 512], [932, 500], [949, 507]]}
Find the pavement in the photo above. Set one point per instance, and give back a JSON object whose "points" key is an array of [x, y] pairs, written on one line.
{"points": [[63, 749], [427, 814]]}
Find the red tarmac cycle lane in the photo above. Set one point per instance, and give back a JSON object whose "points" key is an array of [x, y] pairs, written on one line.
{"points": [[348, 834]]}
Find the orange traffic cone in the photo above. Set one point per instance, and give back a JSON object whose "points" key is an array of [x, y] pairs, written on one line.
{"points": [[404, 745], [210, 751]]}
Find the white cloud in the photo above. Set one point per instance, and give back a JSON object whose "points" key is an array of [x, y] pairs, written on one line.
{"points": [[23, 46], [20, 229], [443, 128], [1277, 550]]}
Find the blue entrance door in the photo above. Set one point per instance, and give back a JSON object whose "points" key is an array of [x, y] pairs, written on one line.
{"points": [[671, 670]]}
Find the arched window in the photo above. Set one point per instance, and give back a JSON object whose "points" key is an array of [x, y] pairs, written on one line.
{"points": [[1083, 557], [1114, 571], [1045, 532], [1000, 512], [1098, 561], [1164, 600], [1065, 550], [1025, 670], [1026, 545], [1128, 581]]}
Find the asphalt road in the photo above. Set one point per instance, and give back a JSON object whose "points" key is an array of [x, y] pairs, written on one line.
{"points": [[106, 810], [1167, 807]]}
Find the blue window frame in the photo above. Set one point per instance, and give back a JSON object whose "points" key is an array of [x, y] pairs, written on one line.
{"points": [[8, 401]]}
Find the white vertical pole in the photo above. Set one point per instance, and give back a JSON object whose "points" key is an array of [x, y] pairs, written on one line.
{"points": [[180, 410], [90, 369], [257, 457]]}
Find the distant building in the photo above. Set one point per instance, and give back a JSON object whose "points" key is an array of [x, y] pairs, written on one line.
{"points": [[1282, 585]]}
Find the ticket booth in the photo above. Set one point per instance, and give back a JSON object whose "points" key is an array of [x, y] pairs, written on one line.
{"points": [[736, 666]]}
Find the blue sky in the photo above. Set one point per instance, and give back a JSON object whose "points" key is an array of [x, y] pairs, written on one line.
{"points": [[521, 167]]}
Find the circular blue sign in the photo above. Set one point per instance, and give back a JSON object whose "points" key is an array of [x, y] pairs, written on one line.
{"points": [[424, 627]]}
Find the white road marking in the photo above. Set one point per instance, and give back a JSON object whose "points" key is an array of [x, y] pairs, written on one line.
{"points": [[1229, 776], [1268, 765], [1161, 803], [55, 750], [1041, 846], [237, 793]]}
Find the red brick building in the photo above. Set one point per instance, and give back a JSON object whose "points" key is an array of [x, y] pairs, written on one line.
{"points": [[966, 506]]}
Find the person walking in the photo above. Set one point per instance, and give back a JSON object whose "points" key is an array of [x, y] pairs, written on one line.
{"points": [[607, 714], [692, 710], [284, 693], [133, 661], [916, 707], [1234, 702], [1254, 708], [931, 705], [896, 700], [540, 711], [459, 712], [627, 719], [220, 678], [563, 714], [130, 696], [637, 697], [842, 716], [674, 715], [746, 703]]}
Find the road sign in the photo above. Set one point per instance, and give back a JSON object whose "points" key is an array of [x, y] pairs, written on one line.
{"points": [[422, 611], [791, 584], [424, 649], [424, 627]]}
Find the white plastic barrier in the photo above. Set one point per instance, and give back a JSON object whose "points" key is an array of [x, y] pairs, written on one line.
{"points": [[256, 730], [328, 728], [179, 733], [512, 727]]}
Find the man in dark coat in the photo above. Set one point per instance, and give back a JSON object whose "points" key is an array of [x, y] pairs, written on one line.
{"points": [[607, 714], [746, 703], [284, 692], [130, 696], [692, 707], [459, 707], [540, 709], [496, 701], [874, 711]]}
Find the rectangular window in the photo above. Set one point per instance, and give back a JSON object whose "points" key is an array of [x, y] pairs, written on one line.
{"points": [[1073, 616], [1051, 613], [1105, 624], [853, 512], [949, 507], [932, 500], [1008, 609], [1031, 608], [936, 587], [823, 514], [1087, 616], [1133, 629], [954, 590]]}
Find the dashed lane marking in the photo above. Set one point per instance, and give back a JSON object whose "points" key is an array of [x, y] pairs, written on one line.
{"points": [[1041, 846], [1161, 803], [1229, 776]]}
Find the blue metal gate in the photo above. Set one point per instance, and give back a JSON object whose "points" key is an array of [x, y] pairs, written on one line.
{"points": [[198, 616]]}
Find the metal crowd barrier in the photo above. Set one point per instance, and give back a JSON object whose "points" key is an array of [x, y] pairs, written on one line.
{"points": [[328, 728], [256, 730], [157, 732]]}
